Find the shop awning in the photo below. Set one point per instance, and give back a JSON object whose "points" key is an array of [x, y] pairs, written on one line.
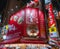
{"points": [[11, 41]]}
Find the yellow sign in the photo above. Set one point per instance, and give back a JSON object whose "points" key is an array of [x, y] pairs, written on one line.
{"points": [[52, 29], [6, 27]]}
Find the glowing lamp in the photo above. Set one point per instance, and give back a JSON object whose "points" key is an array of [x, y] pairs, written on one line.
{"points": [[36, 0]]}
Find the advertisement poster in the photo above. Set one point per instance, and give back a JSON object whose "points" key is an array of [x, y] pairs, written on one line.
{"points": [[52, 23]]}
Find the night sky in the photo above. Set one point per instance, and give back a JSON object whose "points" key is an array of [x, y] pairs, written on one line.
{"points": [[2, 4]]}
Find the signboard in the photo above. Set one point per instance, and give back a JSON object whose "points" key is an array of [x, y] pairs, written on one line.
{"points": [[34, 24], [53, 29], [52, 23], [29, 24], [28, 46]]}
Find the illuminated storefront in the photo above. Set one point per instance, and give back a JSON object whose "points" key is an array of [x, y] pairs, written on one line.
{"points": [[27, 27]]}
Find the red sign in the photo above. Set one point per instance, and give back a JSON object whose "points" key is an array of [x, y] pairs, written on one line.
{"points": [[52, 23], [29, 24]]}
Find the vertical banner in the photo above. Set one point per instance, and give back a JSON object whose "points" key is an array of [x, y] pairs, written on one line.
{"points": [[52, 27], [53, 32], [52, 23]]}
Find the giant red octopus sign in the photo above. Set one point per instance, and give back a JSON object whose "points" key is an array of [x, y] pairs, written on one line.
{"points": [[30, 23]]}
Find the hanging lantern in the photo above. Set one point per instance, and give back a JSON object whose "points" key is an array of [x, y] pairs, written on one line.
{"points": [[36, 1]]}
